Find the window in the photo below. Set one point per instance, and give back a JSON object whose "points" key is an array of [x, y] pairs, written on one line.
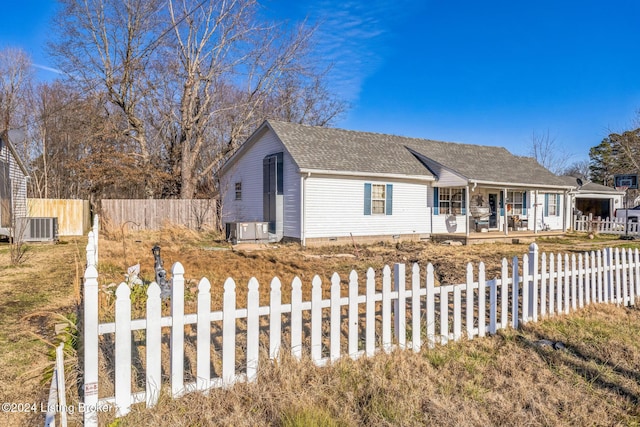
{"points": [[378, 199], [238, 191], [551, 204], [516, 203], [450, 201]]}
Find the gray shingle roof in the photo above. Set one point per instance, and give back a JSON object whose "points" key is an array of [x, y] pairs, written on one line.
{"points": [[346, 151], [590, 187], [331, 149]]}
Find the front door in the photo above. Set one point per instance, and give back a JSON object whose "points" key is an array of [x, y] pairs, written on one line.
{"points": [[493, 205]]}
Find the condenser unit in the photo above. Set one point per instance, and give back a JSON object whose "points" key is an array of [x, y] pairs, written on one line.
{"points": [[238, 232], [37, 229]]}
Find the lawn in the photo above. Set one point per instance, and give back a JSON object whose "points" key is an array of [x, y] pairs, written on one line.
{"points": [[501, 380]]}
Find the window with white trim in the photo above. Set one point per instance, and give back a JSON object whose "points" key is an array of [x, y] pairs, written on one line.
{"points": [[551, 204], [378, 199], [515, 202], [451, 201], [238, 187]]}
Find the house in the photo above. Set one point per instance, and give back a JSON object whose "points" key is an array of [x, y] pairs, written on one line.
{"points": [[594, 199], [315, 185], [13, 183]]}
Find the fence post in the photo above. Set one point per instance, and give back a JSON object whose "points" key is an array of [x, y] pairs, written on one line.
{"points": [[543, 284], [228, 333], [400, 315], [91, 346], [177, 329], [123, 350], [625, 271], [275, 318], [96, 229], [253, 327], [335, 319], [618, 299], [534, 278], [296, 318], [470, 306], [416, 339], [60, 382], [493, 307], [482, 303], [154, 345], [504, 294], [431, 307], [525, 289], [574, 283], [370, 339], [91, 250], [203, 331], [567, 283], [515, 293], [316, 319], [386, 308], [352, 343]]}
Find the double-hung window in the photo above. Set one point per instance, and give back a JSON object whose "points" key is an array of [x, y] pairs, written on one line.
{"points": [[551, 204], [238, 188], [515, 200], [378, 199]]}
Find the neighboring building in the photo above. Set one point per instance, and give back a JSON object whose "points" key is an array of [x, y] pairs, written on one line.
{"points": [[13, 184], [316, 184], [594, 199]]}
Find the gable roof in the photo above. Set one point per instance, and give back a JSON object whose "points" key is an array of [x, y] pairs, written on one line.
{"points": [[589, 187], [338, 150], [330, 150], [13, 150]]}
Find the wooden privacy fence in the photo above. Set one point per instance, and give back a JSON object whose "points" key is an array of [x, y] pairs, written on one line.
{"points": [[74, 216], [607, 226], [359, 319], [152, 214]]}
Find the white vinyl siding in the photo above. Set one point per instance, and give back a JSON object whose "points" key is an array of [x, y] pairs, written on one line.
{"points": [[334, 208], [248, 171]]}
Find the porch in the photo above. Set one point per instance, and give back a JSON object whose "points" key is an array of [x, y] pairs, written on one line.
{"points": [[515, 237]]}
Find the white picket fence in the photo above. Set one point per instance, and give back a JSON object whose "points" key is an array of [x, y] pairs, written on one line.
{"points": [[57, 402], [616, 226], [395, 313]]}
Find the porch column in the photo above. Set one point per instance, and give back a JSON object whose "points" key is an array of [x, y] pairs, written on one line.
{"points": [[504, 209], [535, 212], [467, 209]]}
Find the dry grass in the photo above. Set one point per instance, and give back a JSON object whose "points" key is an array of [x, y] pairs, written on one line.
{"points": [[502, 380]]}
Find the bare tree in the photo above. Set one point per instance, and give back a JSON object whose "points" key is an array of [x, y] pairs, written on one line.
{"points": [[106, 46], [192, 79], [579, 169], [16, 78], [546, 151]]}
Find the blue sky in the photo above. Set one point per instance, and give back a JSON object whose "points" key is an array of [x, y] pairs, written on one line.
{"points": [[491, 73]]}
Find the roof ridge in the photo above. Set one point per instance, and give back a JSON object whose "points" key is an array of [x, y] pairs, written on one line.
{"points": [[360, 132]]}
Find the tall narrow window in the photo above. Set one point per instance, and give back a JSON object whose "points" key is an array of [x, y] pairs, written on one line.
{"points": [[238, 191], [378, 199]]}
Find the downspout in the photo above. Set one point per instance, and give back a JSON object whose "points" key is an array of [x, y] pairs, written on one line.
{"points": [[303, 180]]}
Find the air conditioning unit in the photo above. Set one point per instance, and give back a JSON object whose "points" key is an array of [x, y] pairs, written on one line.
{"points": [[238, 232], [35, 229]]}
